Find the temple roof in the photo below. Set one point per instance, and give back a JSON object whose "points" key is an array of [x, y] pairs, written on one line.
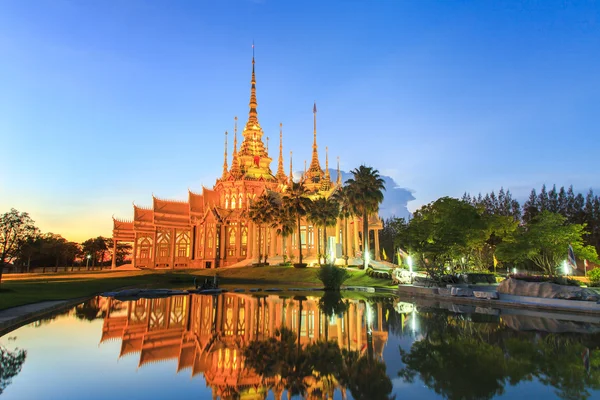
{"points": [[196, 202], [171, 206], [142, 214]]}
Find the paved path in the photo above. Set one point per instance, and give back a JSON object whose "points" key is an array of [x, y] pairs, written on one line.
{"points": [[12, 318]]}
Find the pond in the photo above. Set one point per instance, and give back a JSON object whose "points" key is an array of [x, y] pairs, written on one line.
{"points": [[277, 346]]}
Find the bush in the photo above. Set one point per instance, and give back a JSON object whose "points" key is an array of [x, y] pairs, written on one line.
{"points": [[332, 277], [594, 277], [559, 280], [300, 265]]}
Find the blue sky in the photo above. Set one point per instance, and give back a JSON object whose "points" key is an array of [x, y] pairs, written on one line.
{"points": [[104, 103]]}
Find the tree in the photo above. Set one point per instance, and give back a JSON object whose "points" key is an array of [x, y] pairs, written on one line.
{"points": [[262, 212], [366, 191], [284, 221], [394, 235], [545, 242], [442, 232], [342, 197], [123, 250], [296, 197], [96, 248], [15, 230], [323, 213], [11, 363]]}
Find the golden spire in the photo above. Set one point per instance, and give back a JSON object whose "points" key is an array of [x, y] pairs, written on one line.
{"points": [[253, 115], [235, 162], [225, 159], [267, 145], [291, 169], [315, 172], [280, 172], [339, 175]]}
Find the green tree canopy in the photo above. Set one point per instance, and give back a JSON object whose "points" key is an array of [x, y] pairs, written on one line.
{"points": [[545, 242], [444, 231], [16, 228]]}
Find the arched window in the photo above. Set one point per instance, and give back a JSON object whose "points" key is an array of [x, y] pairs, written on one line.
{"points": [[244, 240], [183, 244], [163, 242], [144, 245], [233, 201]]}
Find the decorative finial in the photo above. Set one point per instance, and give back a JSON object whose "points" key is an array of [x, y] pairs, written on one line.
{"points": [[280, 171], [267, 145], [225, 159], [253, 115]]}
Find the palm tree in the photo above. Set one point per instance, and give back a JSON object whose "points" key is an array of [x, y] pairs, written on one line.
{"points": [[324, 213], [262, 212], [284, 221], [366, 191], [346, 210], [315, 216], [297, 199]]}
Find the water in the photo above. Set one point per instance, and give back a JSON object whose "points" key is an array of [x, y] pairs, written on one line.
{"points": [[237, 346]]}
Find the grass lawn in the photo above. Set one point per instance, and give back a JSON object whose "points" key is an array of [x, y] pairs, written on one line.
{"points": [[19, 289]]}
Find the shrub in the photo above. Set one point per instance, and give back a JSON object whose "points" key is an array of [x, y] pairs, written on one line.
{"points": [[332, 277], [594, 277]]}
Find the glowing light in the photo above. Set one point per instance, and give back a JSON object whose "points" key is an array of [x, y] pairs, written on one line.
{"points": [[89, 256], [410, 264], [566, 267], [514, 270], [367, 257], [413, 322]]}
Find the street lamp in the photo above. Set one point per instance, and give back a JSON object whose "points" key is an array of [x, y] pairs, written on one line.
{"points": [[410, 270], [566, 267], [87, 265]]}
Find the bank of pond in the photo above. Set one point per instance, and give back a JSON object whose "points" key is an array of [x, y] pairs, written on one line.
{"points": [[313, 345]]}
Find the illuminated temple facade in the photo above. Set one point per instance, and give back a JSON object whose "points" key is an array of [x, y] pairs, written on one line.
{"points": [[206, 335], [212, 229]]}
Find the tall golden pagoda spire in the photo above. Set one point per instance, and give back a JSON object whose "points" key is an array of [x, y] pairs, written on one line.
{"points": [[225, 168], [291, 169], [253, 114], [253, 157], [280, 172], [314, 173], [235, 162]]}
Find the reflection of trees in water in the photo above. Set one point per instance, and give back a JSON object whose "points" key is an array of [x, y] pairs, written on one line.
{"points": [[89, 310], [11, 363], [296, 368], [289, 366], [460, 359]]}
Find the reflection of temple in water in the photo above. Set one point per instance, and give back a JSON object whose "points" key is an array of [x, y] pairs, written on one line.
{"points": [[209, 333]]}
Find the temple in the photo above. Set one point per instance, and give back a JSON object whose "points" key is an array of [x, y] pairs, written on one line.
{"points": [[206, 335], [212, 229]]}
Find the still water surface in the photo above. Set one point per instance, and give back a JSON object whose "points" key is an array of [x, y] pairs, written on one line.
{"points": [[239, 346]]}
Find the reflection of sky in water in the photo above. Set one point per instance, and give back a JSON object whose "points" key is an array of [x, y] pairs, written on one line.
{"points": [[66, 360]]}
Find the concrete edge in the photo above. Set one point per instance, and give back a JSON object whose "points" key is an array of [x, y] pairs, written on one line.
{"points": [[556, 305], [18, 321]]}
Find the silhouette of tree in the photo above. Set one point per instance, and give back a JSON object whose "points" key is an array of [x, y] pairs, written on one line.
{"points": [[11, 363]]}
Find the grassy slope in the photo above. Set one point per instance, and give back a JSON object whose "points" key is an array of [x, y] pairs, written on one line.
{"points": [[25, 289]]}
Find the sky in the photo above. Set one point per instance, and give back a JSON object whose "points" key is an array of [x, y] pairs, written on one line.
{"points": [[104, 103]]}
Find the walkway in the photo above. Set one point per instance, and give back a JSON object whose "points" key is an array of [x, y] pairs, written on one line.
{"points": [[14, 317]]}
